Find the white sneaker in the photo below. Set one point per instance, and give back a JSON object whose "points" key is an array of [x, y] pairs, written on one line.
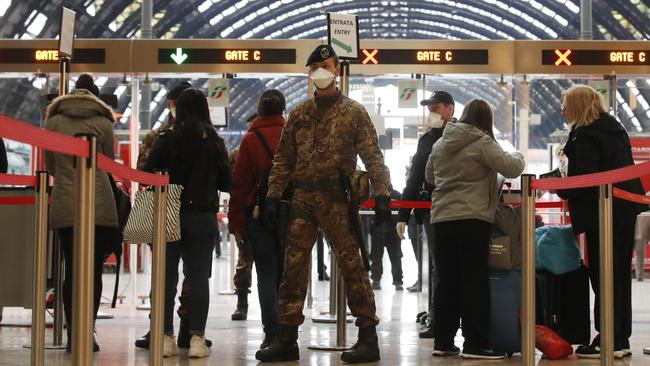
{"points": [[198, 348], [170, 348]]}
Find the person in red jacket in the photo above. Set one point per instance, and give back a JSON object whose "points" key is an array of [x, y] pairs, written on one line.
{"points": [[246, 200]]}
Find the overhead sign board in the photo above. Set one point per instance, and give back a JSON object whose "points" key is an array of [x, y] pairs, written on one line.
{"points": [[188, 56], [48, 55], [66, 37], [573, 57], [424, 56], [343, 35]]}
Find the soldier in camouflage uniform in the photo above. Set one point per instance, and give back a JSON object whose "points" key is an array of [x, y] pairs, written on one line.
{"points": [[183, 339], [319, 145]]}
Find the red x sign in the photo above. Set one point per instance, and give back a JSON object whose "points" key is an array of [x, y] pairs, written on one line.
{"points": [[370, 56], [562, 57]]}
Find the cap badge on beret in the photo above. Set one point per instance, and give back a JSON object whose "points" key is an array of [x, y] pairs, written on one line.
{"points": [[324, 53]]}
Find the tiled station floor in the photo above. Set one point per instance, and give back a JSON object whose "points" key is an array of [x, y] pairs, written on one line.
{"points": [[235, 343]]}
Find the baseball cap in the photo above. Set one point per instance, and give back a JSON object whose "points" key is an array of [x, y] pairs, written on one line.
{"points": [[437, 97]]}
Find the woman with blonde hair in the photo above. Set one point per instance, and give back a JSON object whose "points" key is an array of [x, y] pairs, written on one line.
{"points": [[463, 167], [598, 142]]}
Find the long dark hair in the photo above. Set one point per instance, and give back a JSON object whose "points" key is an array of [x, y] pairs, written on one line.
{"points": [[193, 123], [479, 114]]}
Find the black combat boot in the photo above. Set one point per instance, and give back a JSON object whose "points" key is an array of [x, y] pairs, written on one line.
{"points": [[366, 349], [242, 307], [283, 348]]}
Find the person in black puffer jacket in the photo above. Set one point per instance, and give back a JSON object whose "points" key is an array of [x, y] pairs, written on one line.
{"points": [[598, 142], [196, 158]]}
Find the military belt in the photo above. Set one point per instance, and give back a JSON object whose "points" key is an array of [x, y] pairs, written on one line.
{"points": [[329, 184]]}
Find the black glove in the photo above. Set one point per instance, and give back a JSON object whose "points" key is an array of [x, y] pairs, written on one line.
{"points": [[270, 213], [382, 209]]}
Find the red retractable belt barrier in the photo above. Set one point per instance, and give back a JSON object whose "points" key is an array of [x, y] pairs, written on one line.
{"points": [[427, 204], [18, 180], [629, 196], [48, 140], [595, 179], [123, 171]]}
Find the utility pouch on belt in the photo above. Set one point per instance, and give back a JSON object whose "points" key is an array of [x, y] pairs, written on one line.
{"points": [[359, 186]]}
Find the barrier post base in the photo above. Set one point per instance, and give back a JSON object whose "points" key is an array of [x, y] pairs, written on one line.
{"points": [[50, 346], [328, 319], [324, 347]]}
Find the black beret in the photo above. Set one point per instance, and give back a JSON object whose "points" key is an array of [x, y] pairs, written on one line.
{"points": [[177, 90], [321, 53], [438, 97]]}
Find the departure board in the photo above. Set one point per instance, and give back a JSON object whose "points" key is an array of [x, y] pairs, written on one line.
{"points": [[50, 56], [569, 57], [423, 57], [188, 56]]}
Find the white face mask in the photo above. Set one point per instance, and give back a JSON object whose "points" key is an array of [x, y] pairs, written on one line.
{"points": [[172, 110], [322, 78], [434, 120]]}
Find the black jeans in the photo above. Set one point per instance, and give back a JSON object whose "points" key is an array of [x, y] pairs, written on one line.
{"points": [[385, 235], [103, 240], [268, 257], [623, 235], [463, 290], [195, 247]]}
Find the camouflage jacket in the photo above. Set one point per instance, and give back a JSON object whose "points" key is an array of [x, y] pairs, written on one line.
{"points": [[315, 147]]}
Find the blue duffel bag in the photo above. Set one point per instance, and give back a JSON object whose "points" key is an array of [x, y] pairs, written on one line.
{"points": [[557, 249]]}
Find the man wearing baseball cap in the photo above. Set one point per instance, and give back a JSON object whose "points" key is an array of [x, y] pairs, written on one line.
{"points": [[441, 111]]}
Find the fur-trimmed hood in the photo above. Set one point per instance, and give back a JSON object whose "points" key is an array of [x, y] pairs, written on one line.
{"points": [[80, 103]]}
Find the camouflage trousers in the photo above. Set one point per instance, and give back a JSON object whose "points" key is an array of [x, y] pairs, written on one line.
{"points": [[242, 277], [309, 211]]}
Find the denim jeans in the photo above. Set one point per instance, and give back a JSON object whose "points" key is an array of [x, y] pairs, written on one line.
{"points": [[195, 247], [268, 257]]}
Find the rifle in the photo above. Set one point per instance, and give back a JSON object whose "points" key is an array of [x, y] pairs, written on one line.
{"points": [[355, 220]]}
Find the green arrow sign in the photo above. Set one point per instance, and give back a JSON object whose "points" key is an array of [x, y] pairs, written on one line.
{"points": [[179, 57], [342, 45]]}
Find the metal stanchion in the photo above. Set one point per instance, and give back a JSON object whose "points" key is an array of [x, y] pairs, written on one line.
{"points": [[57, 274], [341, 314], [528, 270], [38, 301], [606, 277], [310, 297], [418, 236], [233, 253], [158, 247], [84, 256]]}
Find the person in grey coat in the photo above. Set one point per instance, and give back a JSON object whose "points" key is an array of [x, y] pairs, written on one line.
{"points": [[80, 113], [463, 167]]}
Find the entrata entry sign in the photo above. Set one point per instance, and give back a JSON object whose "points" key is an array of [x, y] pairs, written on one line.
{"points": [[343, 35], [571, 57], [188, 56], [421, 56]]}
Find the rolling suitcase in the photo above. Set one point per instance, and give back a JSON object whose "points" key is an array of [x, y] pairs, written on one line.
{"points": [[505, 306], [563, 304]]}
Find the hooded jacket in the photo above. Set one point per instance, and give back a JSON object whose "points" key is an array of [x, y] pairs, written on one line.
{"points": [[463, 167], [251, 166], [80, 112], [602, 145]]}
